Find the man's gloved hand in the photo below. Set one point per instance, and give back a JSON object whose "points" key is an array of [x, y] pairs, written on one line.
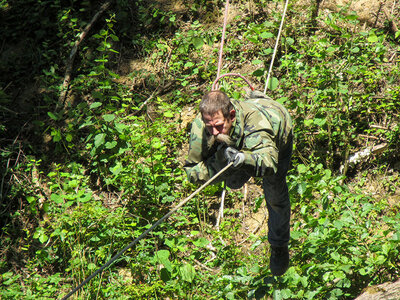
{"points": [[235, 156]]}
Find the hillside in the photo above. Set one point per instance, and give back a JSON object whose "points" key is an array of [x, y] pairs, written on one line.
{"points": [[96, 102]]}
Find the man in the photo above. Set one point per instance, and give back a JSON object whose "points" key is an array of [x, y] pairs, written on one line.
{"points": [[256, 135]]}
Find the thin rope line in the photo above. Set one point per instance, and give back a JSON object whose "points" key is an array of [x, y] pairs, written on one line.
{"points": [[183, 202], [215, 84], [222, 38], [276, 46]]}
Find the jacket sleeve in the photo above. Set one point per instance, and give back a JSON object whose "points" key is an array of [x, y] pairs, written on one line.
{"points": [[202, 163], [259, 146]]}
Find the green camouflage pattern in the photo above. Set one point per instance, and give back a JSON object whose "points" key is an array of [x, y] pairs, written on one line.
{"points": [[262, 129]]}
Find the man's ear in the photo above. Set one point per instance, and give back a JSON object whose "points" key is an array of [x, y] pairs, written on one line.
{"points": [[232, 114]]}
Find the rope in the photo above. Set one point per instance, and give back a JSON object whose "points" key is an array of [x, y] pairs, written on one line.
{"points": [[223, 38], [183, 202], [215, 86], [276, 46]]}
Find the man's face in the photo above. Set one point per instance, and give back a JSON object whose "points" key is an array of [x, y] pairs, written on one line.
{"points": [[218, 124]]}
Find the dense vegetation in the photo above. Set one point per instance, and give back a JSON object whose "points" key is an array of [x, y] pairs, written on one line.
{"points": [[83, 175]]}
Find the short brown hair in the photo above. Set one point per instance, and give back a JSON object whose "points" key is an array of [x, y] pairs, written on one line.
{"points": [[215, 101]]}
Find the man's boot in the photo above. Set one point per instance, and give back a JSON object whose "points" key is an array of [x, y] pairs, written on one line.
{"points": [[279, 260]]}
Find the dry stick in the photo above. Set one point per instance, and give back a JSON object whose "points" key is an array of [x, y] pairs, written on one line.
{"points": [[156, 92], [116, 256], [68, 71], [390, 20]]}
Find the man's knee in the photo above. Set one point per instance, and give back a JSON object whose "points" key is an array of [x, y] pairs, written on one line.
{"points": [[236, 181]]}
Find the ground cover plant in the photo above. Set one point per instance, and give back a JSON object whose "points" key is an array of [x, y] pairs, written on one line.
{"points": [[81, 177]]}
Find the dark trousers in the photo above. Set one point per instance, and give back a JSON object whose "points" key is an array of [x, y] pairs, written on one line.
{"points": [[278, 203]]}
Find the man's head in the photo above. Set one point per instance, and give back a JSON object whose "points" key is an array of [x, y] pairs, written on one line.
{"points": [[218, 115]]}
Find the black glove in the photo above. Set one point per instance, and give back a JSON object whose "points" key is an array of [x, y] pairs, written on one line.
{"points": [[235, 156]]}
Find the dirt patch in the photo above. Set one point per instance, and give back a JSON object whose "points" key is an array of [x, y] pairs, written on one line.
{"points": [[372, 12]]}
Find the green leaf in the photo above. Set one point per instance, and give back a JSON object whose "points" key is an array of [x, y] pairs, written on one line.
{"points": [[201, 242], [301, 188], [30, 199], [266, 35], [188, 272], [43, 238], [85, 197], [109, 117], [162, 257], [259, 72], [165, 275], [95, 105], [111, 145], [372, 38], [57, 198], [168, 114], [301, 168], [99, 139], [197, 42], [53, 116], [308, 122], [273, 83]]}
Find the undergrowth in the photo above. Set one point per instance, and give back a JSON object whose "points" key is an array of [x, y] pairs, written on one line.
{"points": [[81, 179]]}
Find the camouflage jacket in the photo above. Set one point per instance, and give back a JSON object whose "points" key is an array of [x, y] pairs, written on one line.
{"points": [[261, 129]]}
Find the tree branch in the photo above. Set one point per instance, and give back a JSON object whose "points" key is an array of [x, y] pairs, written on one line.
{"points": [[68, 71]]}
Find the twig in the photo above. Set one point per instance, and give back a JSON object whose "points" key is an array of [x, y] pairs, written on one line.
{"points": [[378, 127], [368, 136], [391, 20], [156, 92], [203, 265], [256, 229], [68, 71]]}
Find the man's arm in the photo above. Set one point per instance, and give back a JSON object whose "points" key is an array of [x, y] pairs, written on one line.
{"points": [[202, 163], [259, 146]]}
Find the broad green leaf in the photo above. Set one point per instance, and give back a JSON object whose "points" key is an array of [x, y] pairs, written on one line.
{"points": [[301, 168], [85, 197], [162, 257], [372, 38], [168, 114], [319, 121], [165, 275], [301, 188], [308, 122], [95, 105], [99, 139], [266, 35], [259, 72], [57, 198], [156, 143], [53, 116], [197, 42], [273, 83], [109, 117], [30, 199], [187, 272], [201, 242], [43, 238], [111, 145], [257, 62]]}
